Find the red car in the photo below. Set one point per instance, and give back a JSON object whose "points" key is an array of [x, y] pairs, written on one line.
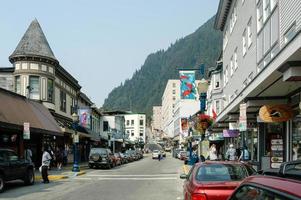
{"points": [[283, 185], [214, 180]]}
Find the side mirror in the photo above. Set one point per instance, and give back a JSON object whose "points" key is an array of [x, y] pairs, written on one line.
{"points": [[183, 176]]}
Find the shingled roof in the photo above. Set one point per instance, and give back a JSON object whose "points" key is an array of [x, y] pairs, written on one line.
{"points": [[34, 43]]}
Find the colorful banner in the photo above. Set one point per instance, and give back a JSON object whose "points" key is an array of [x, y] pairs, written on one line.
{"points": [[84, 117], [187, 87], [184, 127], [230, 133]]}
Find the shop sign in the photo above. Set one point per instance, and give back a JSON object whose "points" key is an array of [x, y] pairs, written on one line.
{"points": [[230, 133], [26, 131], [275, 113], [276, 152], [233, 126], [243, 117], [75, 138], [216, 137]]}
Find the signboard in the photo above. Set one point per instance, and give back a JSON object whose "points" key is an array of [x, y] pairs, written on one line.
{"points": [[84, 117], [230, 133], [26, 131], [184, 127], [275, 113], [233, 126], [187, 86], [276, 152], [216, 137], [243, 117], [205, 148]]}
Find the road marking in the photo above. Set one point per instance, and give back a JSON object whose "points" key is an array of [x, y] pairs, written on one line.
{"points": [[130, 175], [82, 178], [138, 179]]}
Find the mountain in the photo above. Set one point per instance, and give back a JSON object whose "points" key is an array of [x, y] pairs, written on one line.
{"points": [[147, 84]]}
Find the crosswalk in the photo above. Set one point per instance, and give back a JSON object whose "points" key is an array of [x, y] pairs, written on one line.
{"points": [[128, 177]]}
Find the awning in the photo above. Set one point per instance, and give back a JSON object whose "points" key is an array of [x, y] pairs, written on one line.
{"points": [[16, 109]]}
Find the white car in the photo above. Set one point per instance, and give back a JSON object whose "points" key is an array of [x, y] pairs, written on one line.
{"points": [[155, 154]]}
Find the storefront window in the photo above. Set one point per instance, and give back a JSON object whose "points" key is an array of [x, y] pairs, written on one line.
{"points": [[18, 84], [252, 143], [296, 139], [50, 90]]}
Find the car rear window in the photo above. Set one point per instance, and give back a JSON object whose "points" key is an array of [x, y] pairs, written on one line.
{"points": [[221, 172], [156, 151], [98, 150]]}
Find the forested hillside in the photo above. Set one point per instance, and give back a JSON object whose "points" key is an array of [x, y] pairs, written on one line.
{"points": [[147, 84]]}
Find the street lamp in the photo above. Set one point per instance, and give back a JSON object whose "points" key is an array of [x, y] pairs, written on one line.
{"points": [[75, 120], [190, 123]]}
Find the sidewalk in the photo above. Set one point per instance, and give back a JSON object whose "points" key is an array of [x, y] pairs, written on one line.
{"points": [[66, 172], [186, 169]]}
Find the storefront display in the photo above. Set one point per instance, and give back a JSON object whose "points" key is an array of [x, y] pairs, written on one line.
{"points": [[296, 138]]}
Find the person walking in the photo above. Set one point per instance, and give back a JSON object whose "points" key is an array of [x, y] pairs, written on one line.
{"points": [[231, 153], [28, 154], [212, 152], [245, 154], [159, 156], [59, 158], [46, 158]]}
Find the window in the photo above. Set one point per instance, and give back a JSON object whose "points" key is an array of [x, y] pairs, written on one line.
{"points": [[72, 106], [290, 33], [63, 101], [235, 59], [231, 66], [174, 85], [127, 122], [217, 106], [18, 84], [173, 91], [132, 132], [141, 134], [132, 122], [128, 132], [105, 125], [216, 79], [34, 87], [255, 193], [266, 9], [266, 37], [174, 98], [226, 75], [275, 27], [50, 90], [249, 32], [259, 17], [225, 42], [141, 122], [244, 43], [245, 83]]}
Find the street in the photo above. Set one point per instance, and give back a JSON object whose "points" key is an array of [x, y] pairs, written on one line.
{"points": [[146, 179]]}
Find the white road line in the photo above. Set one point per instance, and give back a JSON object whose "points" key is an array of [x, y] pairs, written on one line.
{"points": [[131, 175], [82, 178], [138, 179]]}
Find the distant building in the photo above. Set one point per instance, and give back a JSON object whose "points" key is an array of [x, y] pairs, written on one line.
{"points": [[157, 118], [7, 78], [135, 126], [170, 96]]}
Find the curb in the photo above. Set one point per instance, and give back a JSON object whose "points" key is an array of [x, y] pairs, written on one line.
{"points": [[59, 177]]}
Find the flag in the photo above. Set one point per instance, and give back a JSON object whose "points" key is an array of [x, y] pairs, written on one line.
{"points": [[214, 114]]}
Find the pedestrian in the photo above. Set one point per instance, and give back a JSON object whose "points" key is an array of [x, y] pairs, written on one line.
{"points": [[231, 153], [212, 152], [46, 158], [245, 154], [159, 156], [28, 154], [59, 158]]}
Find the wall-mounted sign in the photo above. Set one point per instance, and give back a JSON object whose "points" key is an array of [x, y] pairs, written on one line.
{"points": [[243, 117], [84, 117], [187, 87], [26, 131], [275, 113], [230, 133], [216, 137]]}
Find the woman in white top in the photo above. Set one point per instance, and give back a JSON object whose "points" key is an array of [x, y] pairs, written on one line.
{"points": [[212, 152]]}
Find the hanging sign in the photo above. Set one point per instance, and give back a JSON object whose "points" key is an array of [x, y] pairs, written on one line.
{"points": [[75, 138], [26, 131], [275, 113], [243, 117]]}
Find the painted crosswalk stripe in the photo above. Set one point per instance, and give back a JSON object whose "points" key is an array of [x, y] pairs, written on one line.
{"points": [[137, 178], [130, 175]]}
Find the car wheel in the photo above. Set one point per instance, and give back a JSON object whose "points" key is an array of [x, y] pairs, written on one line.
{"points": [[29, 177], [2, 183]]}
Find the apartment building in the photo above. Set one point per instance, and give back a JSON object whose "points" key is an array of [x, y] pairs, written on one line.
{"points": [[135, 126], [261, 68], [157, 118]]}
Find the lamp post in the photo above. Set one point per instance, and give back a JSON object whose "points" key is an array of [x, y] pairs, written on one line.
{"points": [[202, 90], [75, 167], [190, 141]]}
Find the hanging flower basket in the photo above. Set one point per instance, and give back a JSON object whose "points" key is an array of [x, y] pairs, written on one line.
{"points": [[203, 122]]}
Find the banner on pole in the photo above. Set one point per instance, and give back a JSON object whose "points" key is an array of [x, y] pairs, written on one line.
{"points": [[187, 86]]}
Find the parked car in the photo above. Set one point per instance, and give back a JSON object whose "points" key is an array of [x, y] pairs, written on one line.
{"points": [[127, 157], [155, 154], [14, 168], [284, 184], [122, 158], [117, 159], [101, 157], [214, 180]]}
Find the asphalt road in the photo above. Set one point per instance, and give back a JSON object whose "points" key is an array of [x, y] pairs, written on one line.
{"points": [[146, 179]]}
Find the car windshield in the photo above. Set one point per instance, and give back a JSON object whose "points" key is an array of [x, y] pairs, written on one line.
{"points": [[220, 172], [156, 151], [98, 151]]}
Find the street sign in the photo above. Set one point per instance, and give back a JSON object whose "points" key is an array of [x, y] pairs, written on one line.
{"points": [[243, 117], [26, 131]]}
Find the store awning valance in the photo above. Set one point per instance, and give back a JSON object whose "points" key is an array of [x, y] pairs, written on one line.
{"points": [[16, 109]]}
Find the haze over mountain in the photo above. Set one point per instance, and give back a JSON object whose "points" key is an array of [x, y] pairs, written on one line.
{"points": [[144, 90]]}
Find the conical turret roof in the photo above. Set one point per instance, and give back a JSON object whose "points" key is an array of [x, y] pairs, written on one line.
{"points": [[33, 43]]}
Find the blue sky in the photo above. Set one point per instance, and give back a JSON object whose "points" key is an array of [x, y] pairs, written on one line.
{"points": [[101, 43]]}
